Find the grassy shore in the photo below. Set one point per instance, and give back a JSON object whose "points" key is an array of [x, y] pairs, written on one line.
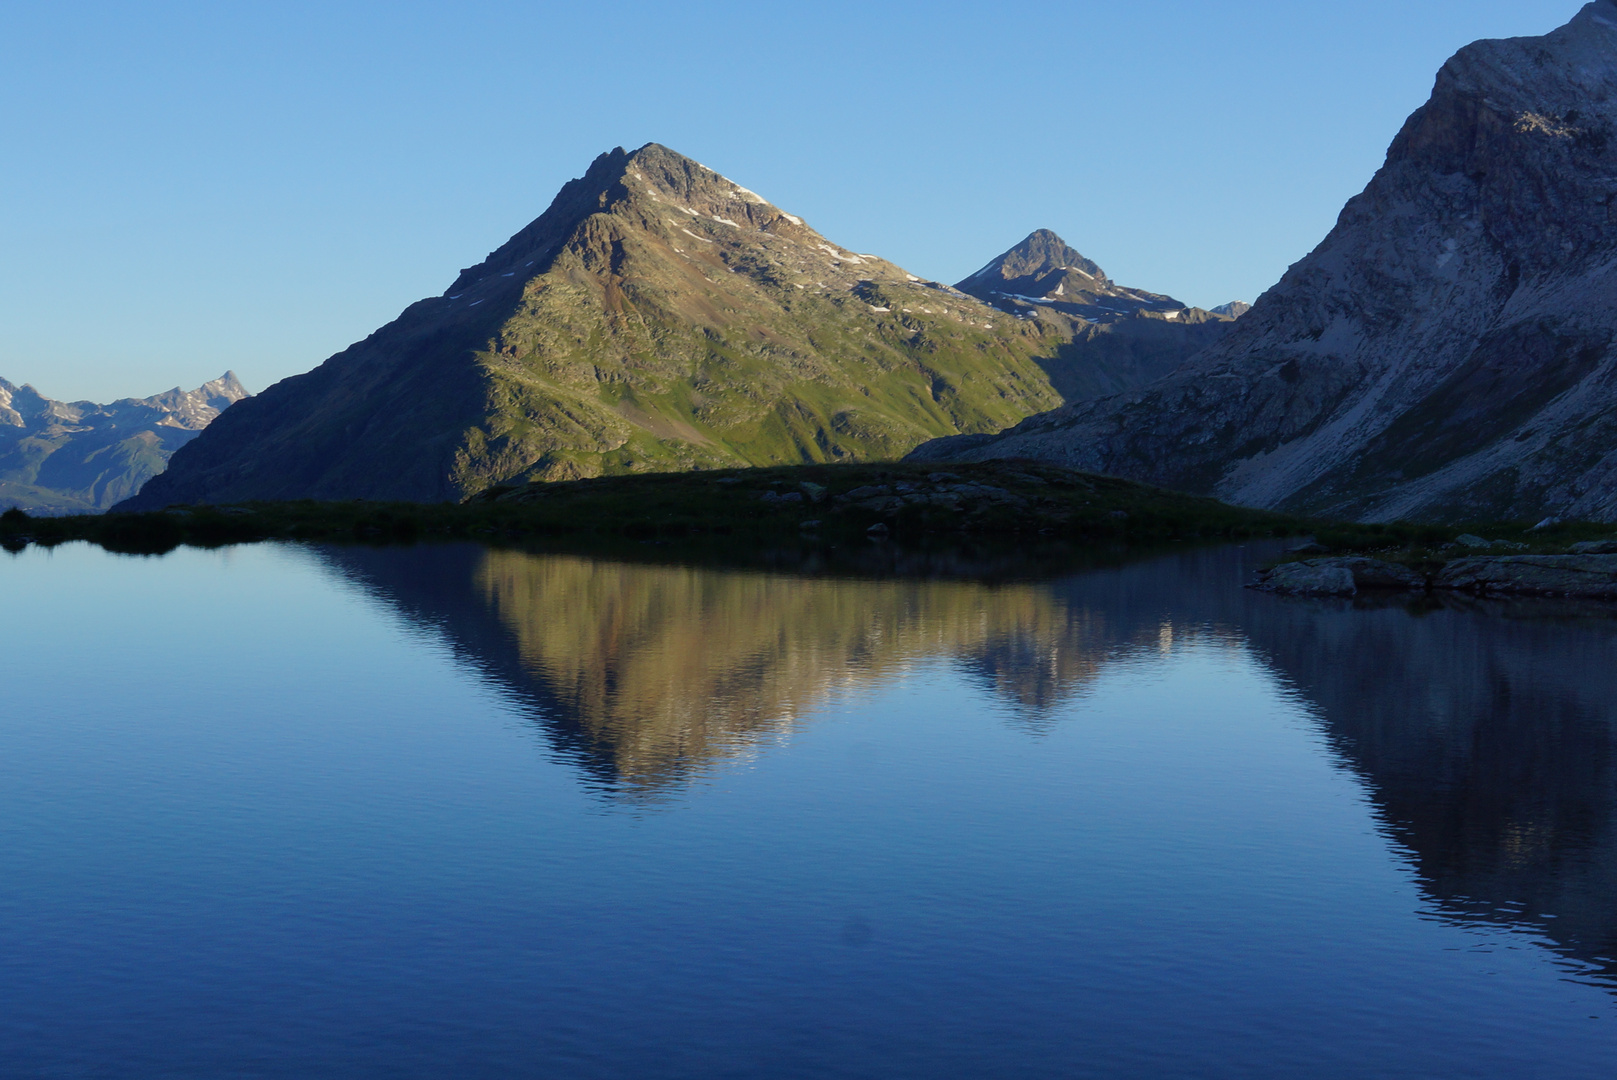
{"points": [[1015, 504], [1001, 514]]}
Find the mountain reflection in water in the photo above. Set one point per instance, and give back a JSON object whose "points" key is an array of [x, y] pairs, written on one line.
{"points": [[648, 675], [1484, 733]]}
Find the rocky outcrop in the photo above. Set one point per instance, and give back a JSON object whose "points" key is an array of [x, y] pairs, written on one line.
{"points": [[1576, 577], [76, 457], [1446, 352]]}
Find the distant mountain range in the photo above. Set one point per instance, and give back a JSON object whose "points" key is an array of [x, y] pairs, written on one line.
{"points": [[1446, 352], [660, 317], [72, 457]]}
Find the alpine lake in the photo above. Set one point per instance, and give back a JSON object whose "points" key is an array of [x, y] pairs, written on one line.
{"points": [[452, 810]]}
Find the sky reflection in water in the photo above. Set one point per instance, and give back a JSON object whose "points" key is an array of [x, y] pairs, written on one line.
{"points": [[284, 811]]}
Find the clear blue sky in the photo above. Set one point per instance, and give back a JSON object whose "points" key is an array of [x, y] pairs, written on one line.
{"points": [[190, 187]]}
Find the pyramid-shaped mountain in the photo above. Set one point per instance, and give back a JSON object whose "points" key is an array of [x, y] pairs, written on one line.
{"points": [[656, 317], [1446, 352], [1044, 270]]}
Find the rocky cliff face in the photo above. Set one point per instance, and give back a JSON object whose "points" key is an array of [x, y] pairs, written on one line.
{"points": [[65, 457], [1445, 352], [1123, 338]]}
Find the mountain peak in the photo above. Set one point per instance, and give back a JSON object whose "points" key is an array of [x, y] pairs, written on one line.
{"points": [[222, 392], [1042, 253], [644, 182], [1044, 271]]}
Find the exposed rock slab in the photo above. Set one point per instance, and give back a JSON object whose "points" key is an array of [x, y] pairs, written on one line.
{"points": [[1572, 577], [1312, 577], [1578, 577]]}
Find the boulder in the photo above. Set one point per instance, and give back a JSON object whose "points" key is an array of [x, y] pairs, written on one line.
{"points": [[1378, 574], [1338, 577], [1596, 547], [1313, 577]]}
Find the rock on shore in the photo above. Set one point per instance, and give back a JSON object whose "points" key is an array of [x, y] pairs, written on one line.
{"points": [[1583, 577], [1337, 577], [1577, 576]]}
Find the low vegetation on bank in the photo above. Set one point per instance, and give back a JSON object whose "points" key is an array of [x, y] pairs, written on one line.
{"points": [[1024, 502], [982, 519]]}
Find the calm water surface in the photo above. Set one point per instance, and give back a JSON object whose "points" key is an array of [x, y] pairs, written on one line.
{"points": [[444, 812]]}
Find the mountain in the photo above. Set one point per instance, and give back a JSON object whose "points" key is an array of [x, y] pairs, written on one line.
{"points": [[1129, 337], [68, 457], [1042, 271], [657, 317], [1446, 352]]}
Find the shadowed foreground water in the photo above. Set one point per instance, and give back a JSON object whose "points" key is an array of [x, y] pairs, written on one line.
{"points": [[427, 812]]}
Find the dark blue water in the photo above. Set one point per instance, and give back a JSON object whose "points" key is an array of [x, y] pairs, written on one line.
{"points": [[295, 812]]}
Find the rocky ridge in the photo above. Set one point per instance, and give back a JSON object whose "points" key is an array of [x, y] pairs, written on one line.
{"points": [[1446, 352], [73, 457]]}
